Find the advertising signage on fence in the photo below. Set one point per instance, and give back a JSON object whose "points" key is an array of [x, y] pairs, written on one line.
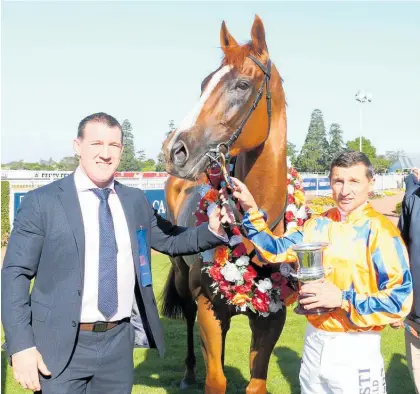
{"points": [[155, 197]]}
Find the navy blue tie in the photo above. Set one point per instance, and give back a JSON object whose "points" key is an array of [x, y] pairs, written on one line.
{"points": [[107, 279]]}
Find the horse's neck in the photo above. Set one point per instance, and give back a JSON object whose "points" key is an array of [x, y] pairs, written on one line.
{"points": [[264, 171]]}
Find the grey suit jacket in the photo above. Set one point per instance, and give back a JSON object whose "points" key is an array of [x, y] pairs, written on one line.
{"points": [[47, 243]]}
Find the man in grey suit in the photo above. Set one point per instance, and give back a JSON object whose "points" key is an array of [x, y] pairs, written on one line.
{"points": [[86, 240]]}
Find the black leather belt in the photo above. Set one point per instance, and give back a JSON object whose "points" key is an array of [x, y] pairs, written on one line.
{"points": [[102, 326]]}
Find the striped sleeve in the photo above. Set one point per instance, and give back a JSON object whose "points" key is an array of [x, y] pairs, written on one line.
{"points": [[271, 248], [393, 300]]}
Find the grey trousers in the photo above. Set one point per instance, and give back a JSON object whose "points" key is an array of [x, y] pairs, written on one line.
{"points": [[101, 363], [412, 348]]}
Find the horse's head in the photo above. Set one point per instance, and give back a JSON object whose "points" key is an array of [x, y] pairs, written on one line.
{"points": [[227, 110]]}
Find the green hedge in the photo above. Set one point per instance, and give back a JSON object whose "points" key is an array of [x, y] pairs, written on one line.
{"points": [[5, 221]]}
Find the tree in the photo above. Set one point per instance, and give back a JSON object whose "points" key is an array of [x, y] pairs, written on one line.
{"points": [[380, 164], [367, 148], [128, 158], [314, 153], [336, 142], [68, 163], [161, 162], [291, 152]]}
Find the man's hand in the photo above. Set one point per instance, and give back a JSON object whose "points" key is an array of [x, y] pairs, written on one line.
{"points": [[219, 217], [324, 294], [25, 368]]}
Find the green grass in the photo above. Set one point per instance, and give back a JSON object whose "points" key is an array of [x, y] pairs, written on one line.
{"points": [[155, 375]]}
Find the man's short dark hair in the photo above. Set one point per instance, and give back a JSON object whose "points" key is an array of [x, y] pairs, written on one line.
{"points": [[100, 117], [351, 158]]}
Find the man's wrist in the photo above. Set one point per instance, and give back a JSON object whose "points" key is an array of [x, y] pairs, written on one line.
{"points": [[24, 350]]}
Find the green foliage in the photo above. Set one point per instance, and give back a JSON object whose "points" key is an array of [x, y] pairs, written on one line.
{"points": [[398, 208], [314, 153], [128, 158], [336, 142], [5, 221], [380, 164], [291, 152], [367, 148]]}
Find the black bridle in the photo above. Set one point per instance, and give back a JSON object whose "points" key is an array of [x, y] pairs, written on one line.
{"points": [[216, 154]]}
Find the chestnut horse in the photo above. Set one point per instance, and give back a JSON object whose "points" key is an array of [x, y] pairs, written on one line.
{"points": [[228, 113]]}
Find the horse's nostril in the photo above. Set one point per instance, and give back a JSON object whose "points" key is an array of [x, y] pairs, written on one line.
{"points": [[179, 153]]}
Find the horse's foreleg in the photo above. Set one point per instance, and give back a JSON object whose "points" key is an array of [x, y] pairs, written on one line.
{"points": [[212, 332], [190, 312], [265, 334]]}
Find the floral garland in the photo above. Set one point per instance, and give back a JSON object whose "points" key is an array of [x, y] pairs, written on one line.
{"points": [[230, 268]]}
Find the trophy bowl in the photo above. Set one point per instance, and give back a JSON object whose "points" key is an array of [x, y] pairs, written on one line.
{"points": [[310, 268]]}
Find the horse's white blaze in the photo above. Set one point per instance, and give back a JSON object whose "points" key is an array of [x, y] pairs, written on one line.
{"points": [[190, 120]]}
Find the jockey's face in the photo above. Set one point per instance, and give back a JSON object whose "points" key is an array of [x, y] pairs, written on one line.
{"points": [[350, 186]]}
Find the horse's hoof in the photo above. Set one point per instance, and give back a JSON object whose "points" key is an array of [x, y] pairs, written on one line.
{"points": [[187, 383]]}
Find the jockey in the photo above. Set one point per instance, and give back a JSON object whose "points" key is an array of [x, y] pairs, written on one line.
{"points": [[367, 282]]}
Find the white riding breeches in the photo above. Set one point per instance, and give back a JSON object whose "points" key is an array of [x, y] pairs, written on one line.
{"points": [[342, 363]]}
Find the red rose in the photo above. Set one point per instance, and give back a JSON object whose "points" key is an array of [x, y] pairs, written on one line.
{"points": [[229, 295], [224, 286], [240, 250], [289, 216], [201, 217], [293, 173], [236, 231], [261, 301], [243, 289], [276, 276], [203, 205], [300, 222], [290, 199], [288, 182], [215, 273], [249, 274]]}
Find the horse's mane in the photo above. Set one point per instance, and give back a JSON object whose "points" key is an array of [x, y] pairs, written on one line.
{"points": [[235, 55]]}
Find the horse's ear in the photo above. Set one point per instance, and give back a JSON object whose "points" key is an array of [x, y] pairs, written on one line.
{"points": [[258, 36], [226, 40]]}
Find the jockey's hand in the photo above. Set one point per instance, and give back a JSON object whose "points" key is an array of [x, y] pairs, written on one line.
{"points": [[323, 294], [244, 196], [397, 325]]}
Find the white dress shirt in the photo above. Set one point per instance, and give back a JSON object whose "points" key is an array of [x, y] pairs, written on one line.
{"points": [[89, 204]]}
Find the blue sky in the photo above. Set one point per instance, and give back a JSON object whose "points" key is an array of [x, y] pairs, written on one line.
{"points": [[145, 61]]}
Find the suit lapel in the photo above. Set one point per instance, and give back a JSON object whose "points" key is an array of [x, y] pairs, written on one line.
{"points": [[71, 204], [130, 215]]}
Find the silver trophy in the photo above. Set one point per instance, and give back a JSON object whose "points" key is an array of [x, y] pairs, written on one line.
{"points": [[310, 268]]}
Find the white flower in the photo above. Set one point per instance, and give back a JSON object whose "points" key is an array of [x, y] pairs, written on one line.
{"points": [[292, 208], [291, 225], [242, 261], [208, 255], [243, 308], [297, 183], [290, 189], [211, 208], [289, 176], [231, 273], [264, 314], [264, 285], [275, 306], [301, 213], [285, 269]]}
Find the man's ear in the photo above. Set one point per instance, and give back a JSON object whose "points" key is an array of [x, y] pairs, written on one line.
{"points": [[76, 146]]}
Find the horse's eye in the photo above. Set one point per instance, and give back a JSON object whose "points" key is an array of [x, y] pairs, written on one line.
{"points": [[242, 85]]}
